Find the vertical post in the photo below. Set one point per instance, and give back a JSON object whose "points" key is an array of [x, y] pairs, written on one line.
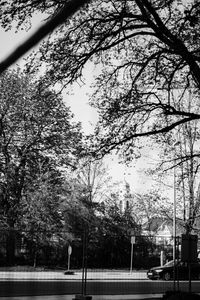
{"points": [[190, 283], [161, 257], [68, 262], [69, 256], [174, 231], [174, 219], [131, 265], [178, 259], [85, 247], [132, 243], [85, 277], [83, 263]]}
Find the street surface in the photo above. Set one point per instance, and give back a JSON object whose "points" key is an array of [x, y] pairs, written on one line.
{"points": [[24, 288], [101, 285]]}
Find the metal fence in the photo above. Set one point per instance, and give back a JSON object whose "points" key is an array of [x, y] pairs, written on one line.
{"points": [[84, 257], [34, 249]]}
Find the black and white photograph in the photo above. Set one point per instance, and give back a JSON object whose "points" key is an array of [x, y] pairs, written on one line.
{"points": [[99, 149]]}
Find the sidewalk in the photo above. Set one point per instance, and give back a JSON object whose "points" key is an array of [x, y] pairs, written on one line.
{"points": [[100, 297], [59, 275]]}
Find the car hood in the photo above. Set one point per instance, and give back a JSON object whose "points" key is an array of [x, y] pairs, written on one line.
{"points": [[156, 268]]}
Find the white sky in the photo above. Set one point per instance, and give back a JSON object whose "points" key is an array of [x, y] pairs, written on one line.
{"points": [[78, 101]]}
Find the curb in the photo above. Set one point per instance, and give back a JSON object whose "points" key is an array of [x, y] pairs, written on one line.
{"points": [[95, 297]]}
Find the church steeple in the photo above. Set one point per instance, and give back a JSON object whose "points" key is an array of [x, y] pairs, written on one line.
{"points": [[126, 197]]}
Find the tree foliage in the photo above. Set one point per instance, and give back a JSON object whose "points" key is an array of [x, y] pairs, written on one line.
{"points": [[94, 178], [143, 46], [87, 190], [149, 53], [40, 207], [35, 126]]}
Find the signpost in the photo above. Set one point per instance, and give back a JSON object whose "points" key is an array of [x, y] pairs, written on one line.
{"points": [[161, 257], [132, 243], [68, 272], [69, 255]]}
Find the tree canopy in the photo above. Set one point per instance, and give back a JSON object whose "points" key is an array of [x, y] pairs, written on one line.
{"points": [[144, 47], [35, 124], [35, 128]]}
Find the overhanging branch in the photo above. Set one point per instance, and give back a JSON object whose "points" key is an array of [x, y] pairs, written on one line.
{"points": [[126, 139], [67, 11]]}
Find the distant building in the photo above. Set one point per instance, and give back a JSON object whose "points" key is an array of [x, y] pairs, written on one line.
{"points": [[126, 198], [162, 230]]}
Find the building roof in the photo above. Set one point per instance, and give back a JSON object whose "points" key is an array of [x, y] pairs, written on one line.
{"points": [[158, 225]]}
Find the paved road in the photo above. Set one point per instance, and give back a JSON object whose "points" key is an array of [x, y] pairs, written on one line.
{"points": [[24, 288], [107, 284], [50, 283]]}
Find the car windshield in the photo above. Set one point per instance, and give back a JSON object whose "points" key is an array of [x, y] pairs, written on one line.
{"points": [[179, 263], [169, 263]]}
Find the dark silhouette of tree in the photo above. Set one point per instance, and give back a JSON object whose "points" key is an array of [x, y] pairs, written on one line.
{"points": [[143, 46]]}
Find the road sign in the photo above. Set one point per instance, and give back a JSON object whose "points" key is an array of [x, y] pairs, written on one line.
{"points": [[132, 243], [69, 254], [131, 231], [69, 250], [132, 239]]}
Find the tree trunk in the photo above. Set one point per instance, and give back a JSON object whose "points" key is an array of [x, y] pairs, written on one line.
{"points": [[35, 259]]}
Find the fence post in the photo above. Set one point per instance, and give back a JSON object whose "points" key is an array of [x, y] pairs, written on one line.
{"points": [[161, 257]]}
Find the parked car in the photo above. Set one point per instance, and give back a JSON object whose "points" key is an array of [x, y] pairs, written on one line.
{"points": [[166, 272]]}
